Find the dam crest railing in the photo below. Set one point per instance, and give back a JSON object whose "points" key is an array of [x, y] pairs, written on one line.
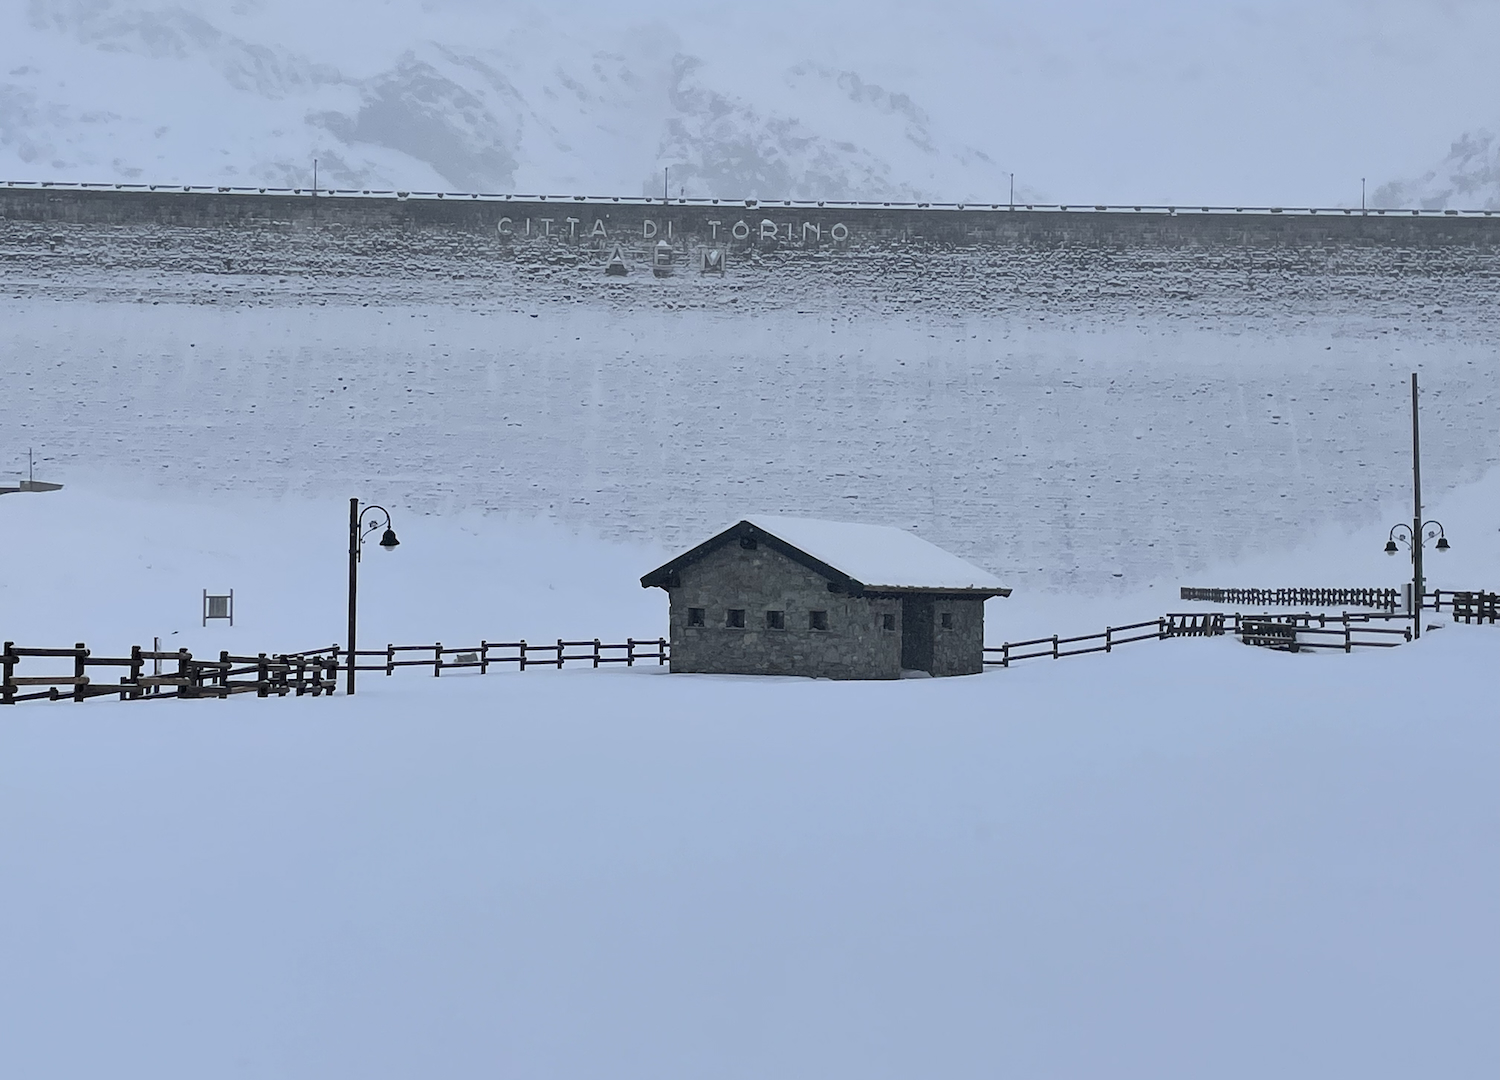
{"points": [[1163, 209]]}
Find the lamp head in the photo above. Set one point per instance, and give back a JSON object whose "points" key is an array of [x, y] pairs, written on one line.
{"points": [[1442, 544], [1390, 547], [389, 541]]}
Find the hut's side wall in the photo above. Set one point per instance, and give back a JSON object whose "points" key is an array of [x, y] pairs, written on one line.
{"points": [[959, 649], [854, 646]]}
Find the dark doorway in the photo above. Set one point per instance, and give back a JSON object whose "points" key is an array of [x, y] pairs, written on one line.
{"points": [[916, 633]]}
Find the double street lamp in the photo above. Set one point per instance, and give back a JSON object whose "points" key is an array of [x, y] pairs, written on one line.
{"points": [[1416, 535], [359, 531]]}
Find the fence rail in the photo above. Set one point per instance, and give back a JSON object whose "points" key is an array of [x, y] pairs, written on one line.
{"points": [[314, 672], [1387, 599], [1309, 630], [1466, 605], [523, 654]]}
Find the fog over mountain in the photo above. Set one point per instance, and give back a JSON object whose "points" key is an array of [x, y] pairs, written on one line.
{"points": [[1253, 103], [1468, 178]]}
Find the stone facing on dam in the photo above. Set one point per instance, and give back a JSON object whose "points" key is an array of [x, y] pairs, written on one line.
{"points": [[705, 254]]}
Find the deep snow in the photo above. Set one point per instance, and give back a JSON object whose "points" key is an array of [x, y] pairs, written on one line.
{"points": [[1183, 859]]}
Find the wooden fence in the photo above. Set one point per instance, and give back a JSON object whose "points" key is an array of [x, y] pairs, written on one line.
{"points": [[522, 654], [1386, 599], [1347, 631], [312, 673], [1467, 607], [315, 672]]}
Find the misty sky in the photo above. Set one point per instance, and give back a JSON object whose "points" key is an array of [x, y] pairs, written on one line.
{"points": [[1254, 103]]}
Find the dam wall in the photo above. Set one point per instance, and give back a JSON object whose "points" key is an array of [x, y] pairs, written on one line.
{"points": [[706, 253], [1076, 399]]}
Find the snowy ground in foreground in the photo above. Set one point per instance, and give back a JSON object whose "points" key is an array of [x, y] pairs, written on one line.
{"points": [[1184, 859]]}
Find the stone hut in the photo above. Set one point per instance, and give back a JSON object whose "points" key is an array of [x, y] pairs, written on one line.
{"points": [[830, 599]]}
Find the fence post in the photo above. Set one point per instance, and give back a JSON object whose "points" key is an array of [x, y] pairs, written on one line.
{"points": [[188, 684], [1005, 654], [8, 666], [79, 671], [437, 659], [630, 652], [559, 653], [484, 657], [661, 651], [262, 676], [1054, 646], [1108, 644], [1348, 638], [596, 652]]}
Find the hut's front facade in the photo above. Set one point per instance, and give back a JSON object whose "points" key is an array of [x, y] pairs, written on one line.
{"points": [[797, 596]]}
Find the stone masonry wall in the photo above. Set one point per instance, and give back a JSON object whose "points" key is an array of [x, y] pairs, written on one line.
{"points": [[853, 647], [368, 248], [958, 650]]}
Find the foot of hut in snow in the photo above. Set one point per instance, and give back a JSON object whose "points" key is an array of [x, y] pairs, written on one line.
{"points": [[825, 599]]}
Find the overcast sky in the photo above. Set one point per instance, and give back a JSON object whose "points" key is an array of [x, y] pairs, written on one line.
{"points": [[1257, 102], [1269, 102]]}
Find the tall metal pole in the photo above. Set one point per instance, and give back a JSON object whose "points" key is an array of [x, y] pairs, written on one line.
{"points": [[1416, 513], [353, 586]]}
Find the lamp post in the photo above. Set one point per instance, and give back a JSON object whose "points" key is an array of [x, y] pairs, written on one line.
{"points": [[1413, 535], [358, 531]]}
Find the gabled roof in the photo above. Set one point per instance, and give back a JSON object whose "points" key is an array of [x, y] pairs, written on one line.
{"points": [[858, 558]]}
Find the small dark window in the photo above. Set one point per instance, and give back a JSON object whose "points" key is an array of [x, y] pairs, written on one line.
{"points": [[735, 618], [945, 620], [775, 620], [817, 620], [888, 621], [695, 616]]}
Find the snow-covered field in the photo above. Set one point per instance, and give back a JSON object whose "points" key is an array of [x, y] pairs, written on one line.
{"points": [[1183, 859]]}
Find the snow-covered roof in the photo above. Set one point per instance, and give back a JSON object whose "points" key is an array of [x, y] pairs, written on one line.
{"points": [[875, 556]]}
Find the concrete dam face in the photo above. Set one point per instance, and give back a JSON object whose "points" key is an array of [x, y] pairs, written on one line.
{"points": [[1075, 398]]}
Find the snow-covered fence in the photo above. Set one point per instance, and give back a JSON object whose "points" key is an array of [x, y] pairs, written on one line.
{"points": [[1058, 647], [312, 673], [1466, 605], [521, 653], [1387, 599], [1478, 606], [1347, 631]]}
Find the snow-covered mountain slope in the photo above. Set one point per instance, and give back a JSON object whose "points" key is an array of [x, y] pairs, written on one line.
{"points": [[1265, 102], [514, 100], [1468, 178]]}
